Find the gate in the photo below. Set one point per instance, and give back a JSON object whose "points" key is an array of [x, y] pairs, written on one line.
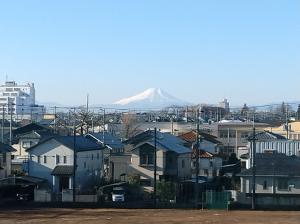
{"points": [[215, 200]]}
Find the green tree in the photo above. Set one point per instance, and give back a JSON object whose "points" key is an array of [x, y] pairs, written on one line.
{"points": [[166, 191]]}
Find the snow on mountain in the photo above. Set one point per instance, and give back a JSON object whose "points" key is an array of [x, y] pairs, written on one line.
{"points": [[154, 98]]}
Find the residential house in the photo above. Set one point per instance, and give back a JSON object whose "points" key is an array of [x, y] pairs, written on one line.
{"points": [[24, 138], [5, 160], [277, 181], [53, 160], [210, 160], [173, 158], [116, 160], [269, 142]]}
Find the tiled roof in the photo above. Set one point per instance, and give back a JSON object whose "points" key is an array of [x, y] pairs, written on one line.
{"points": [[267, 135], [62, 171], [269, 164], [192, 137]]}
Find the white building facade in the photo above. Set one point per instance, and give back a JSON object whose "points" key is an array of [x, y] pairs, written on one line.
{"points": [[18, 98]]}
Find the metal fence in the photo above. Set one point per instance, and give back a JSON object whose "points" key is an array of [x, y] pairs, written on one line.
{"points": [[215, 200]]}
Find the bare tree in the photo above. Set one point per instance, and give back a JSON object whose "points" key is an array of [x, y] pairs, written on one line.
{"points": [[130, 125]]}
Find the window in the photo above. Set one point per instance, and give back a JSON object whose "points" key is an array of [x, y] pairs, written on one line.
{"points": [[65, 159], [45, 159], [26, 144], [146, 159], [206, 172], [265, 186], [283, 184], [244, 135], [146, 155], [98, 155], [183, 163], [39, 159], [92, 156], [57, 159], [211, 163], [84, 165]]}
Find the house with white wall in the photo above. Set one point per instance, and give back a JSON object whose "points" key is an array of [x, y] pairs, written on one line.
{"points": [[210, 161], [173, 158], [53, 160], [5, 160]]}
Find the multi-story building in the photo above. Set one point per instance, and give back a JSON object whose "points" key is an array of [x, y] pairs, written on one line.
{"points": [[18, 98], [233, 134]]}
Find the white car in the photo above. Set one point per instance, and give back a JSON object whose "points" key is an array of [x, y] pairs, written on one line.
{"points": [[118, 194]]}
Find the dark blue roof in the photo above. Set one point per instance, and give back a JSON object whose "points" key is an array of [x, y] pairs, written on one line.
{"points": [[6, 148], [165, 141], [109, 139], [81, 143]]}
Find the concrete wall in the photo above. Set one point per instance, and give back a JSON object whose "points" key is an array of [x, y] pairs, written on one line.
{"points": [[246, 185], [6, 165], [121, 165], [42, 195], [186, 171]]}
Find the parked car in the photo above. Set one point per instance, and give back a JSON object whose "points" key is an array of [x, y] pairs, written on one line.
{"points": [[118, 194]]}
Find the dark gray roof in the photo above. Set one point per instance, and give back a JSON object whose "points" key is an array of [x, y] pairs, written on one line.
{"points": [[110, 140], [63, 170], [81, 143], [268, 164], [6, 148], [165, 141], [28, 128], [267, 135]]}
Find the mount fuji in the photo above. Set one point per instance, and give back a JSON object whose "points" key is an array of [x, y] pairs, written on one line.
{"points": [[153, 98]]}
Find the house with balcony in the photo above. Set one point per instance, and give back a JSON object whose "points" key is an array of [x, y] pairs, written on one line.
{"points": [[210, 159], [173, 158]]}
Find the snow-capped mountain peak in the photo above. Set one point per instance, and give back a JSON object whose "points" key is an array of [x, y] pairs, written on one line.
{"points": [[151, 98]]}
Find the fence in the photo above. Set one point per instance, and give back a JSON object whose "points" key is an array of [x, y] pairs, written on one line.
{"points": [[215, 200]]}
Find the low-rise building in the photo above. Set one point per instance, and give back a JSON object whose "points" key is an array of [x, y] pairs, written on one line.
{"points": [[53, 160], [5, 160], [277, 181], [173, 158]]}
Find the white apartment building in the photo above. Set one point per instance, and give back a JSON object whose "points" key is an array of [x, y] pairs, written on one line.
{"points": [[19, 98]]}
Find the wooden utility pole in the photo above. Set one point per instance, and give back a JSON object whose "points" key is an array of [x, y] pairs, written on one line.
{"points": [[155, 166], [253, 206], [197, 162], [74, 158]]}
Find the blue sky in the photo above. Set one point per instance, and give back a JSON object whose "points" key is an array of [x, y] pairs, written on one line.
{"points": [[200, 51]]}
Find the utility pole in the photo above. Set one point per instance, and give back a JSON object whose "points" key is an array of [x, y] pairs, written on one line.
{"points": [[197, 162], [74, 158], [287, 122], [10, 125], [54, 119], [3, 114], [155, 166], [253, 166]]}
